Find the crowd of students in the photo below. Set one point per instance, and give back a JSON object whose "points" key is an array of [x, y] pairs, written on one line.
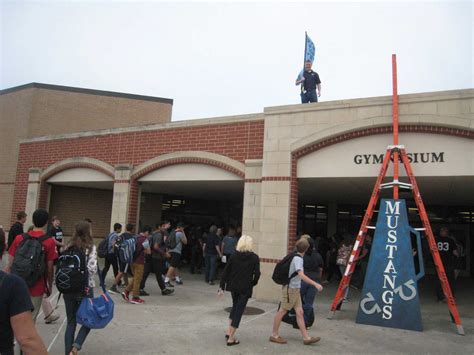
{"points": [[133, 257]]}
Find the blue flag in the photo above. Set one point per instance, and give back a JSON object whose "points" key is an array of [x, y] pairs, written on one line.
{"points": [[310, 50]]}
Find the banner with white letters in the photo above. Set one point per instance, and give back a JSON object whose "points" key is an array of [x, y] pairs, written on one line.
{"points": [[390, 293]]}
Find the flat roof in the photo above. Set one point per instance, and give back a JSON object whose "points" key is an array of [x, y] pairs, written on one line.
{"points": [[87, 91]]}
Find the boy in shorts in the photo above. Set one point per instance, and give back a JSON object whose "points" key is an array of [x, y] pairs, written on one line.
{"points": [[291, 298]]}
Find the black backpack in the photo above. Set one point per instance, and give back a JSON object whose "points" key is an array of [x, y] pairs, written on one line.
{"points": [[171, 242], [71, 271], [103, 248], [282, 269], [29, 261]]}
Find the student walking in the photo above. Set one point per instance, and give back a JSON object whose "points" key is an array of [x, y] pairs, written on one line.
{"points": [[142, 247], [291, 298], [175, 245], [124, 268], [82, 244], [211, 250], [111, 257], [155, 261], [229, 244], [31, 257], [313, 268], [240, 275]]}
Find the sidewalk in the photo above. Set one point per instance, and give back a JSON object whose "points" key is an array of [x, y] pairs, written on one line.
{"points": [[193, 321]]}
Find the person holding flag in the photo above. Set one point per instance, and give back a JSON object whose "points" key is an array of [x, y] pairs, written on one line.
{"points": [[308, 78]]}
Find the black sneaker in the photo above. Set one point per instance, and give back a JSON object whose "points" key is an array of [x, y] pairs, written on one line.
{"points": [[211, 283], [144, 293], [179, 282], [114, 289], [169, 284], [166, 292]]}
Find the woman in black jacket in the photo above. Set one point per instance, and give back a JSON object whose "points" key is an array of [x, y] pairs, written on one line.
{"points": [[240, 275]]}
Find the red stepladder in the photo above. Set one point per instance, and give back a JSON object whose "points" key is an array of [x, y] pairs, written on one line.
{"points": [[396, 153]]}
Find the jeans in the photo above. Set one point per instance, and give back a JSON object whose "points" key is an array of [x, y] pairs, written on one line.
{"points": [[72, 303], [308, 294], [110, 259], [309, 96], [239, 302], [148, 268], [156, 266], [210, 273], [134, 286]]}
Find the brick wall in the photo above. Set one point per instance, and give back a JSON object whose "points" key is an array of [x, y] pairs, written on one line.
{"points": [[58, 111], [239, 141], [37, 109], [72, 204], [15, 109]]}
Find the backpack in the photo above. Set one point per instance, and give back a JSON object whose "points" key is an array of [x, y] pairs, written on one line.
{"points": [[29, 261], [171, 241], [103, 248], [126, 251], [156, 238], [282, 269], [71, 274]]}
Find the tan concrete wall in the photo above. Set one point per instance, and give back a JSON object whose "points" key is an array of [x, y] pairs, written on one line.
{"points": [[15, 109], [57, 112], [72, 204], [289, 128]]}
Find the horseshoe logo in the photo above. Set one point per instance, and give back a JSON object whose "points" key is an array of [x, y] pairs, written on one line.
{"points": [[410, 285], [375, 308]]}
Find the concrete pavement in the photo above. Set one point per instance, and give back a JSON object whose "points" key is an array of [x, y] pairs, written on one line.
{"points": [[193, 321]]}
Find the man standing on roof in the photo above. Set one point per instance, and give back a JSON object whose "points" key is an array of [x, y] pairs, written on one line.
{"points": [[310, 82]]}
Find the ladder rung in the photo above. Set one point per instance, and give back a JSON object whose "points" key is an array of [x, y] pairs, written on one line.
{"points": [[403, 185]]}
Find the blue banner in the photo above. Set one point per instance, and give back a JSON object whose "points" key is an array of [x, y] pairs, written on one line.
{"points": [[310, 50], [390, 293]]}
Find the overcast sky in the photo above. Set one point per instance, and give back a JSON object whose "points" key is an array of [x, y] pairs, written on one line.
{"points": [[226, 58]]}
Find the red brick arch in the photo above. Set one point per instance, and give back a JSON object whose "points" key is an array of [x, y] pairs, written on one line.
{"points": [[133, 204], [188, 160], [91, 164], [308, 149]]}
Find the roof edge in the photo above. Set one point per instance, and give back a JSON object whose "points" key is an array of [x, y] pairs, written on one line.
{"points": [[86, 91]]}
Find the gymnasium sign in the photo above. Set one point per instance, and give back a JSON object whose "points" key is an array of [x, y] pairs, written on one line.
{"points": [[413, 158], [390, 293]]}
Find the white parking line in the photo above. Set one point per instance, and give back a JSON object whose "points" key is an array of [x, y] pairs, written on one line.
{"points": [[57, 334]]}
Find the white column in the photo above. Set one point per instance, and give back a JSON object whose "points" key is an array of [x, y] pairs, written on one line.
{"points": [[252, 198], [121, 195], [33, 194]]}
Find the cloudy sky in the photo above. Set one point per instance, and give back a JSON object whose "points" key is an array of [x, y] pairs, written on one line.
{"points": [[226, 58]]}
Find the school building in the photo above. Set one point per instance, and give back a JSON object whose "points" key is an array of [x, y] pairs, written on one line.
{"points": [[116, 157]]}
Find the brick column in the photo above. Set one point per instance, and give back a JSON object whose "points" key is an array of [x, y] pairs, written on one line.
{"points": [[121, 197], [33, 194], [252, 199]]}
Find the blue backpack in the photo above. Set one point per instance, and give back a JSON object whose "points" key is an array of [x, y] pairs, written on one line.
{"points": [[126, 251]]}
